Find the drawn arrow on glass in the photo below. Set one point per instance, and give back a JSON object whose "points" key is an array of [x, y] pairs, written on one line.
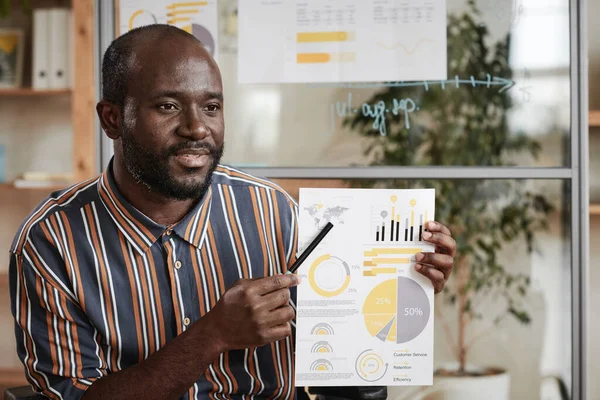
{"points": [[495, 81]]}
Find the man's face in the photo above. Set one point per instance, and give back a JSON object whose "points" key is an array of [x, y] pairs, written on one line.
{"points": [[172, 136]]}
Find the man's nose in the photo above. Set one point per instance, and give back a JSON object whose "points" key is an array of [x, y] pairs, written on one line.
{"points": [[194, 127]]}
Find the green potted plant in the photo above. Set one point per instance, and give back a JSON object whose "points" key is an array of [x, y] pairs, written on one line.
{"points": [[466, 126]]}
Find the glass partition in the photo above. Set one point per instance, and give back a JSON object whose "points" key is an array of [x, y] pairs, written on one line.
{"points": [[508, 60], [515, 96]]}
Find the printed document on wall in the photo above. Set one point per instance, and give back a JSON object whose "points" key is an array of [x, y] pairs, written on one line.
{"points": [[364, 315], [297, 41], [196, 17]]}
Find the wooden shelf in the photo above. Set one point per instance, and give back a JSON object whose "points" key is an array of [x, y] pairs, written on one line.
{"points": [[11, 186], [29, 92], [595, 209], [594, 118]]}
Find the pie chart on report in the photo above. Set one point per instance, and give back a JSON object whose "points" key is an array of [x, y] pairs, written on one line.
{"points": [[329, 275], [396, 310]]}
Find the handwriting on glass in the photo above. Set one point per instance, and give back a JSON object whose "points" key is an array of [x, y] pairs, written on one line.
{"points": [[406, 106], [376, 111], [489, 82]]}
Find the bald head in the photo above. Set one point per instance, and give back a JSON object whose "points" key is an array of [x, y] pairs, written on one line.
{"points": [[130, 51]]}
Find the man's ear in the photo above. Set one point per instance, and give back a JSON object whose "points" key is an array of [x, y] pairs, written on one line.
{"points": [[110, 118]]}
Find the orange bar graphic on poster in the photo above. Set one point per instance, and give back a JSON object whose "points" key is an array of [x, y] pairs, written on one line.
{"points": [[320, 37], [320, 58], [180, 19], [406, 250], [401, 260], [311, 58], [187, 4], [175, 13]]}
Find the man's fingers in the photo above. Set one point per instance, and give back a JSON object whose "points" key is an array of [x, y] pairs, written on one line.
{"points": [[277, 282], [442, 262], [441, 240], [435, 276], [276, 299], [280, 316], [280, 332], [434, 226]]}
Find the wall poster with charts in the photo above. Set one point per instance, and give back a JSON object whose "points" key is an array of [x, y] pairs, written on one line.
{"points": [[341, 40], [196, 17]]}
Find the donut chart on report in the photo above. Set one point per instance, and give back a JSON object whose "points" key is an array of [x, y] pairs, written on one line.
{"points": [[329, 276], [396, 310]]}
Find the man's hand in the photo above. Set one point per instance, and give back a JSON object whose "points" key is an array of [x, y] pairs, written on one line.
{"points": [[250, 314], [437, 266], [253, 312]]}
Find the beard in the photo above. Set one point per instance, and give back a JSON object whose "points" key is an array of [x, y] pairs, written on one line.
{"points": [[152, 169]]}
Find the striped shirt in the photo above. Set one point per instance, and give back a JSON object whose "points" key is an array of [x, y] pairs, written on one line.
{"points": [[97, 287]]}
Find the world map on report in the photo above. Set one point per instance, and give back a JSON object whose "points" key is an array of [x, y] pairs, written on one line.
{"points": [[321, 214]]}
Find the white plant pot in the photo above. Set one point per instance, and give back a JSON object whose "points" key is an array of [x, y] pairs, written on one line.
{"points": [[492, 387]]}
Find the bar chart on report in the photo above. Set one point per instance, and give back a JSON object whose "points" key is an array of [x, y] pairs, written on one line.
{"points": [[398, 221]]}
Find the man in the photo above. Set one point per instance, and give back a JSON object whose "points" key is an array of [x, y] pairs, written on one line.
{"points": [[164, 277]]}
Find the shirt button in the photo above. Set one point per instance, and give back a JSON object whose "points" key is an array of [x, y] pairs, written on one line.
{"points": [[169, 231], [186, 321], [177, 264]]}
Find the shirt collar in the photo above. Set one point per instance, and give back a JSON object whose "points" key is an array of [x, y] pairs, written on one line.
{"points": [[140, 230]]}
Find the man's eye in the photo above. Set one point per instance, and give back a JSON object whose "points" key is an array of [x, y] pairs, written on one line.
{"points": [[212, 107], [167, 107]]}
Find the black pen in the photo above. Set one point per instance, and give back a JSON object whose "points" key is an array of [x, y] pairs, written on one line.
{"points": [[310, 248]]}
